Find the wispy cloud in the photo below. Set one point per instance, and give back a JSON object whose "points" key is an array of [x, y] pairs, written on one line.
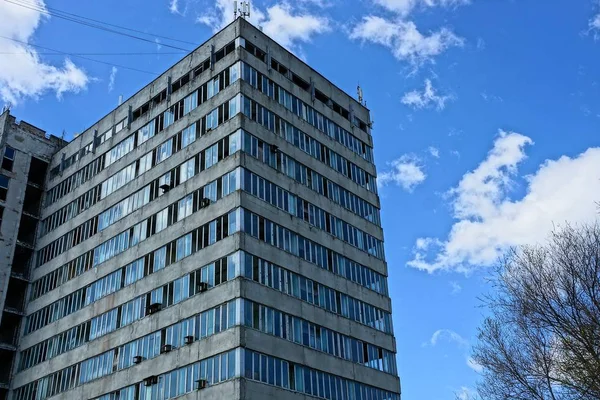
{"points": [[25, 74], [466, 393], [406, 172], [480, 44], [174, 6], [434, 152], [489, 221], [452, 337], [456, 288], [111, 79], [449, 335], [405, 7], [490, 97], [425, 99], [289, 26], [405, 41]]}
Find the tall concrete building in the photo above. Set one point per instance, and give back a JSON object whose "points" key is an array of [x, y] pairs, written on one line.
{"points": [[216, 236]]}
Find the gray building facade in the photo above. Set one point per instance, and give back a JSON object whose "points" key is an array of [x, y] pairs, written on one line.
{"points": [[216, 236]]}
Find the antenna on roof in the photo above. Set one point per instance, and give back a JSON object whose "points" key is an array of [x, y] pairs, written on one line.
{"points": [[244, 10], [359, 92], [6, 107]]}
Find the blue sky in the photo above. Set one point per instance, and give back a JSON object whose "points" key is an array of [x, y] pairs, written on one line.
{"points": [[486, 127]]}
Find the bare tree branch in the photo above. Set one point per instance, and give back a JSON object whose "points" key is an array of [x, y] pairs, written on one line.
{"points": [[542, 340]]}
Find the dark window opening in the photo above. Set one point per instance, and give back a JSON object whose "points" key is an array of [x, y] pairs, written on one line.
{"points": [[159, 98], [321, 97], [8, 159], [5, 366], [9, 329], [27, 229], [33, 200], [180, 83], [300, 82], [3, 394], [37, 171], [15, 295], [219, 55], [3, 186], [22, 261]]}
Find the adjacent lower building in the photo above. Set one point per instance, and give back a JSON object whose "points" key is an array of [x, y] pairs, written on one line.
{"points": [[216, 236]]}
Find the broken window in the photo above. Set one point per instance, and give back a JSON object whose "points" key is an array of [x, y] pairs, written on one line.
{"points": [[33, 200], [27, 229], [22, 261], [9, 158], [37, 171]]}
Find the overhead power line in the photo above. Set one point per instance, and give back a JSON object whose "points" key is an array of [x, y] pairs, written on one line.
{"points": [[150, 53], [98, 24], [79, 56]]}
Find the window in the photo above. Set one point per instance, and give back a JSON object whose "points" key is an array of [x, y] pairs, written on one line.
{"points": [[1, 214], [185, 207], [9, 158], [211, 156], [164, 151], [212, 120], [145, 133], [3, 186], [187, 170], [188, 135], [190, 102], [162, 220]]}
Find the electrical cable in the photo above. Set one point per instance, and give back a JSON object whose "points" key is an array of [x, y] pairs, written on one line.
{"points": [[82, 57], [92, 25]]}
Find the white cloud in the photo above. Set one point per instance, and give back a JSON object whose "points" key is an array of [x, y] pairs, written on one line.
{"points": [[474, 365], [174, 6], [404, 7], [407, 172], [489, 221], [289, 27], [434, 151], [111, 79], [450, 335], [462, 343], [465, 393], [456, 288], [404, 39], [491, 97], [480, 44], [22, 73], [425, 99], [158, 44]]}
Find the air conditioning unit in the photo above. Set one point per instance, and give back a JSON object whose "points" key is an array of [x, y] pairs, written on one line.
{"points": [[201, 287], [204, 202], [201, 384], [151, 380], [188, 339], [166, 348], [153, 308], [137, 359]]}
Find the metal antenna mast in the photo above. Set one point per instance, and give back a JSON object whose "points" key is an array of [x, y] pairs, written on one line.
{"points": [[243, 10]]}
